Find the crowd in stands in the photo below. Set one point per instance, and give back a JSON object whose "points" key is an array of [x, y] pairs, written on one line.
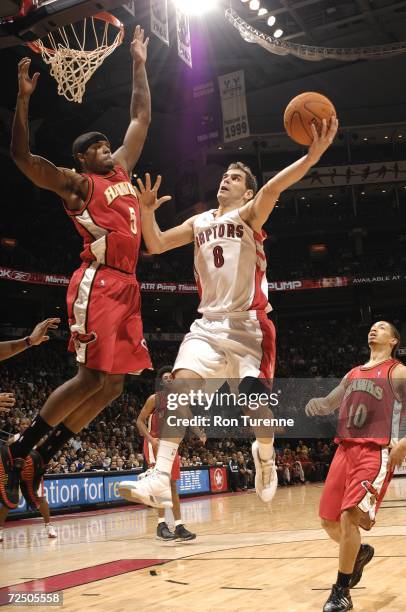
{"points": [[112, 441], [284, 263]]}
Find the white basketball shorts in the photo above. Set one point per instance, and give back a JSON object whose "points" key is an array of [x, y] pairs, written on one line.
{"points": [[233, 345]]}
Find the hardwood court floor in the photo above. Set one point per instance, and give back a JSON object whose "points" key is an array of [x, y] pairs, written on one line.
{"points": [[248, 557]]}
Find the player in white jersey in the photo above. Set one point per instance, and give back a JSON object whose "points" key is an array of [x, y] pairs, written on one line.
{"points": [[234, 338]]}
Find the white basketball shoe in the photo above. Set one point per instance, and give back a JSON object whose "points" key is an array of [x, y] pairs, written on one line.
{"points": [[266, 476], [152, 490], [51, 531], [145, 474]]}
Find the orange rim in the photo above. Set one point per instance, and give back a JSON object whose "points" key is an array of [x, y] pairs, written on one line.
{"points": [[104, 16]]}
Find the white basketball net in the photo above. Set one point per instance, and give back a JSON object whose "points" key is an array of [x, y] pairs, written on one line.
{"points": [[73, 67]]}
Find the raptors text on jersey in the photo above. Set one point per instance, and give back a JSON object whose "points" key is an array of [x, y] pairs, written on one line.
{"points": [[229, 264]]}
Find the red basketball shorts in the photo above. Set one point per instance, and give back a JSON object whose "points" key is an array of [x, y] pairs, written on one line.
{"points": [[358, 477], [151, 459], [105, 320]]}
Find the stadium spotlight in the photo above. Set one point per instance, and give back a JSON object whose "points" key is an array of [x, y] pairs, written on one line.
{"points": [[195, 7], [254, 5], [271, 20], [262, 11], [278, 33]]}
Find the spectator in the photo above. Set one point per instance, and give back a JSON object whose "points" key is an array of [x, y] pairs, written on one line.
{"points": [[234, 468]]}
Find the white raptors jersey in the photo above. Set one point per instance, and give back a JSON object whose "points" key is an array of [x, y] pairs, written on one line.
{"points": [[230, 264]]}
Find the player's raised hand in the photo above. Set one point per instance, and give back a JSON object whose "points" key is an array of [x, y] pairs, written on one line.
{"points": [[139, 46], [148, 195], [39, 333], [7, 401], [322, 141], [317, 406], [26, 84]]}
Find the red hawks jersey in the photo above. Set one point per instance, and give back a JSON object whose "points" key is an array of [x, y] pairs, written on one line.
{"points": [[370, 410], [157, 415], [109, 221]]}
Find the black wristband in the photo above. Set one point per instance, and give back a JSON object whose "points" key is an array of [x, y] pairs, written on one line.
{"points": [[27, 341]]}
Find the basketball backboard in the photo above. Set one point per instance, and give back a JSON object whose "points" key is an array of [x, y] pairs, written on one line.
{"points": [[44, 16]]}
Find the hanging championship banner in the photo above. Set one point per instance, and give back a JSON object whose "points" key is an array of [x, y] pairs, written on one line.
{"points": [[159, 20], [206, 113], [183, 35], [130, 7], [233, 106]]}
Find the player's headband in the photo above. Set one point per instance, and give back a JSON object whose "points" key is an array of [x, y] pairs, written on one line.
{"points": [[84, 141]]}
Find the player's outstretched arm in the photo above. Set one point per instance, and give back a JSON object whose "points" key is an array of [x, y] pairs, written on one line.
{"points": [[155, 240], [140, 111], [40, 171], [326, 405], [142, 418], [258, 210], [39, 334], [398, 452]]}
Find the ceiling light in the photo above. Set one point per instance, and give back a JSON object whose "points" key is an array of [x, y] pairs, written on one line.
{"points": [[400, 136], [254, 5], [386, 137], [362, 192], [220, 148], [330, 195], [278, 33], [365, 138], [195, 7], [271, 20], [240, 148], [383, 190], [262, 11]]}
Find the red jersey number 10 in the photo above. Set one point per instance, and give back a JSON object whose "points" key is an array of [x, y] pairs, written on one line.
{"points": [[357, 415]]}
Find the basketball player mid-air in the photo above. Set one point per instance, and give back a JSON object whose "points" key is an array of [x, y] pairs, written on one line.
{"points": [[234, 339], [371, 399], [103, 297]]}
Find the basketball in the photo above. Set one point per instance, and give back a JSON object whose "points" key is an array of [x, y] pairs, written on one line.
{"points": [[265, 254], [302, 111]]}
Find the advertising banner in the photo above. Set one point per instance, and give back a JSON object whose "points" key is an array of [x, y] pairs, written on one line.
{"points": [[193, 481], [218, 479]]}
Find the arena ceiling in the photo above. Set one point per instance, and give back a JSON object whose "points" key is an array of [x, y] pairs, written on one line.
{"points": [[365, 93]]}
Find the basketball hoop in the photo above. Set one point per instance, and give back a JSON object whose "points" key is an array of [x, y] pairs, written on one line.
{"points": [[67, 52]]}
